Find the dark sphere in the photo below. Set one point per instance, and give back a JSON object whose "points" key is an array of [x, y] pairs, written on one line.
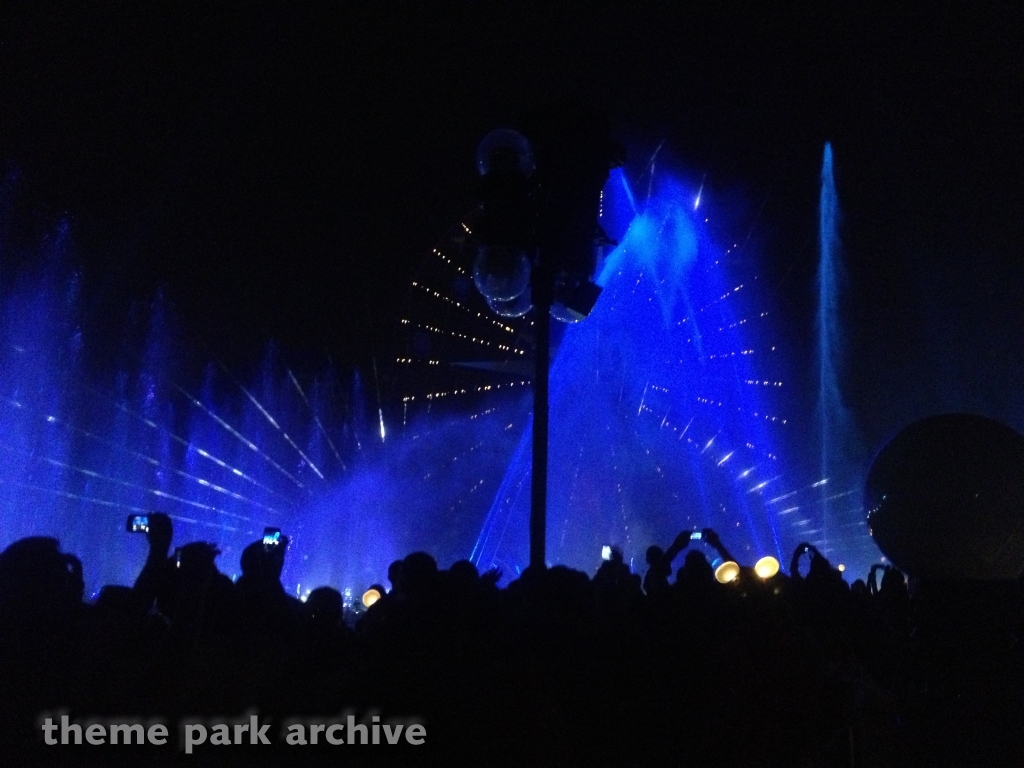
{"points": [[501, 273], [945, 499]]}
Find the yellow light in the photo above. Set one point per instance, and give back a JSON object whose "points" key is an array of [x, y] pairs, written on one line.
{"points": [[370, 597], [766, 567], [727, 572], [841, 567]]}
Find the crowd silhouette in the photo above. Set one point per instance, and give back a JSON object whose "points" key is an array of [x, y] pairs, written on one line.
{"points": [[558, 668]]}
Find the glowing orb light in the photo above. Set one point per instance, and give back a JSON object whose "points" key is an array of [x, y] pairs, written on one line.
{"points": [[370, 597], [766, 567], [726, 572]]}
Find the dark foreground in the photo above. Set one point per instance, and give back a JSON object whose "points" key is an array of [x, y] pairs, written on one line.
{"points": [[559, 668]]}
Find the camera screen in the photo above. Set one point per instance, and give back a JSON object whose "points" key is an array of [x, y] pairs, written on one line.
{"points": [[271, 537]]}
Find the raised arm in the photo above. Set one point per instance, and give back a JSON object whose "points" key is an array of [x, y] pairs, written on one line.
{"points": [[711, 538], [153, 578]]}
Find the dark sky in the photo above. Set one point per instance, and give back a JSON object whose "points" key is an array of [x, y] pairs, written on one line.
{"points": [[282, 172]]}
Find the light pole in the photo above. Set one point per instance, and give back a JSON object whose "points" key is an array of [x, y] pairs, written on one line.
{"points": [[537, 233], [542, 286]]}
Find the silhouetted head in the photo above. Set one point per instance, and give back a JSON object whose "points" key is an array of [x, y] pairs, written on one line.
{"points": [[563, 587], [197, 557], [893, 578], [820, 568], [464, 572], [261, 563], [325, 606], [696, 569], [36, 575], [418, 566], [395, 573], [250, 560], [419, 572]]}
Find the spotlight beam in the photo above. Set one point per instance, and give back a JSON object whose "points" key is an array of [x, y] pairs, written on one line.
{"points": [[273, 422], [112, 504], [763, 483], [687, 427], [94, 474], [504, 491], [154, 462], [189, 446], [316, 419], [245, 441]]}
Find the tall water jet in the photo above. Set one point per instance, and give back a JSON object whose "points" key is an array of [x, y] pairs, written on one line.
{"points": [[833, 418]]}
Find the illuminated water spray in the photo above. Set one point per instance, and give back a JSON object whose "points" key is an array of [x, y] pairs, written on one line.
{"points": [[671, 405], [833, 419], [664, 401], [96, 426]]}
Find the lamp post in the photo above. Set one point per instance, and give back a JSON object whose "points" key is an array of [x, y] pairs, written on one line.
{"points": [[542, 289], [537, 231]]}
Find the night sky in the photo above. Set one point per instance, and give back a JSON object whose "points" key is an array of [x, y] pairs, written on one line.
{"points": [[282, 173]]}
